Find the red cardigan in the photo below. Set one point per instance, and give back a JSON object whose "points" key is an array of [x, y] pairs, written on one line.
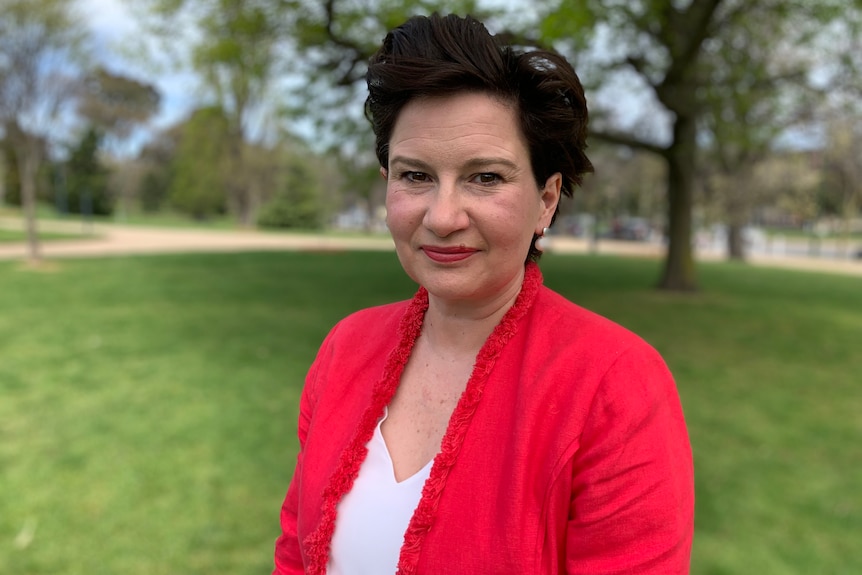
{"points": [[567, 452]]}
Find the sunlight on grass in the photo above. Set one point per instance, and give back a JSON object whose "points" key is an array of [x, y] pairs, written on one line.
{"points": [[149, 404], [14, 236]]}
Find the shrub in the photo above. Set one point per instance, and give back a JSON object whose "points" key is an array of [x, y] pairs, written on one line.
{"points": [[291, 210]]}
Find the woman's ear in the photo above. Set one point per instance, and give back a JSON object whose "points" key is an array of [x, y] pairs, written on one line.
{"points": [[550, 197]]}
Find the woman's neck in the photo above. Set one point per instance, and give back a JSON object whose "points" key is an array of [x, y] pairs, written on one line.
{"points": [[462, 327]]}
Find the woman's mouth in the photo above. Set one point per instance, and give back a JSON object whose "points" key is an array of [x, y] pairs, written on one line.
{"points": [[441, 254]]}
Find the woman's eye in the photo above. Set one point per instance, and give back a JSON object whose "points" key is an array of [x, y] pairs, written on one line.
{"points": [[487, 178], [415, 177]]}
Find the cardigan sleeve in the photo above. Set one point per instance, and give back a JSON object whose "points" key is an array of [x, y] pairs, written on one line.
{"points": [[632, 505], [288, 556]]}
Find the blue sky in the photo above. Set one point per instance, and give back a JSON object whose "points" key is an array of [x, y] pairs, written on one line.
{"points": [[118, 43], [116, 32]]}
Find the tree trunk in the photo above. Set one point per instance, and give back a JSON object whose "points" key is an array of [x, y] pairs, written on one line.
{"points": [[28, 156], [240, 200], [679, 271], [735, 242], [739, 189]]}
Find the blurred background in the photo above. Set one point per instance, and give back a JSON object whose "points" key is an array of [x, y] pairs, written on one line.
{"points": [[147, 405], [723, 127]]}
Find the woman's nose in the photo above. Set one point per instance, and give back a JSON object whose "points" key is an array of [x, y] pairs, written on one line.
{"points": [[445, 213]]}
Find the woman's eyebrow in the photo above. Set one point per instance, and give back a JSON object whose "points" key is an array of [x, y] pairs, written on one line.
{"points": [[471, 163], [475, 163], [412, 162]]}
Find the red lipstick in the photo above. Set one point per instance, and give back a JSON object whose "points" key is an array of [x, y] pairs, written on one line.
{"points": [[444, 255]]}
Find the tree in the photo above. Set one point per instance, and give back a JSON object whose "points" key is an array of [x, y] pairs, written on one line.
{"points": [[677, 51], [37, 40], [152, 189], [626, 184], [842, 173], [336, 40], [746, 109], [788, 182], [86, 178], [199, 184], [12, 181], [116, 105], [11, 184], [304, 183], [235, 52], [297, 202], [156, 168]]}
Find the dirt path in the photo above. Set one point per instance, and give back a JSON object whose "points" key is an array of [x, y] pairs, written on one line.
{"points": [[117, 239]]}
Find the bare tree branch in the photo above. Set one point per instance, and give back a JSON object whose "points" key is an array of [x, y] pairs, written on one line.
{"points": [[355, 55], [627, 140]]}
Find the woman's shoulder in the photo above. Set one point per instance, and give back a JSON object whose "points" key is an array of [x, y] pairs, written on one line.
{"points": [[381, 318], [372, 327], [604, 348], [562, 316], [599, 357], [360, 339]]}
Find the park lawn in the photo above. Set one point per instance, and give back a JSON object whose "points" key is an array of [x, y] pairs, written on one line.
{"points": [[48, 214], [15, 236], [149, 404]]}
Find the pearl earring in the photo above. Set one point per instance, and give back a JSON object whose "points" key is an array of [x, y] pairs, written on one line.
{"points": [[542, 242]]}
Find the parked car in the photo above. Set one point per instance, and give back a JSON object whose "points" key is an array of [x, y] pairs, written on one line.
{"points": [[630, 228]]}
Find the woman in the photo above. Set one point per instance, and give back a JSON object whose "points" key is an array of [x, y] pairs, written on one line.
{"points": [[488, 425]]}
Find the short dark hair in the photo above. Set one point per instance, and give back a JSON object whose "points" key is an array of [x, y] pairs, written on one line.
{"points": [[443, 55]]}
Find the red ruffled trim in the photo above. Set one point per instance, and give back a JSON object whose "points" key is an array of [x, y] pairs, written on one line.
{"points": [[317, 543]]}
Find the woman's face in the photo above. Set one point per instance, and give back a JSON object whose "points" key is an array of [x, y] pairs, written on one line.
{"points": [[462, 202]]}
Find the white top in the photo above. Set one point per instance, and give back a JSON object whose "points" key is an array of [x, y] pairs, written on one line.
{"points": [[373, 516]]}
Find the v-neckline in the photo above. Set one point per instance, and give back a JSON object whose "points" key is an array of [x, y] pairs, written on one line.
{"points": [[378, 437]]}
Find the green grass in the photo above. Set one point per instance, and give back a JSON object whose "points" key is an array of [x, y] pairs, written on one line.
{"points": [[170, 220], [166, 219], [13, 236], [48, 215], [149, 404]]}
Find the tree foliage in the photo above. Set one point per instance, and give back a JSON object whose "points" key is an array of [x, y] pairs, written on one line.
{"points": [[841, 191], [297, 201], [335, 39], [86, 178], [199, 183], [235, 52], [156, 161], [115, 103]]}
